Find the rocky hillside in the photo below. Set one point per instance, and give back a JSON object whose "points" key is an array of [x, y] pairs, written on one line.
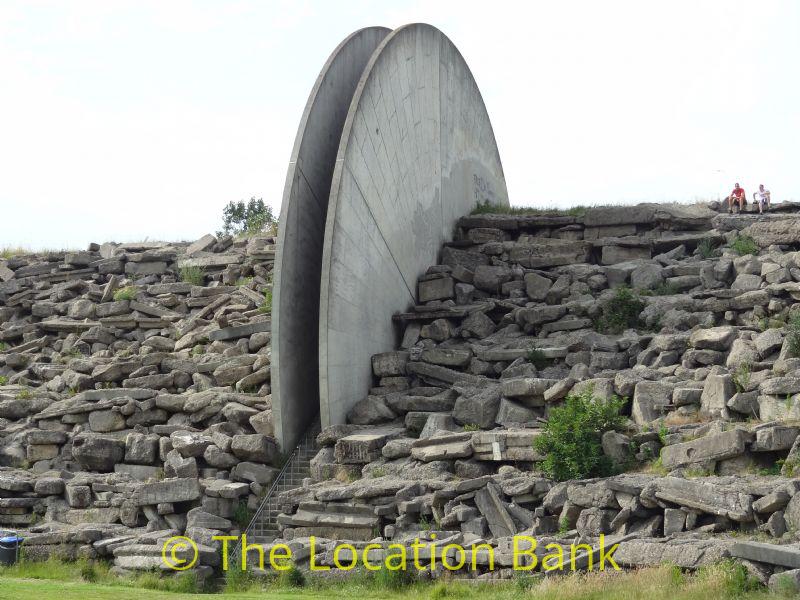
{"points": [[134, 394], [683, 311]]}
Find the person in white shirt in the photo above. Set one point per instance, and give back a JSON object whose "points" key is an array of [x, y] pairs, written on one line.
{"points": [[762, 198]]}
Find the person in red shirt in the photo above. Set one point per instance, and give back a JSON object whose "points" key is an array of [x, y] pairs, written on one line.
{"points": [[737, 195]]}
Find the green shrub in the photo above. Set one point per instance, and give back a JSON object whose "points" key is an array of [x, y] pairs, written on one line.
{"points": [[24, 394], [292, 577], [253, 217], [242, 515], [193, 275], [744, 244], [620, 312], [3, 346], [267, 306], [707, 248], [126, 293], [387, 579], [486, 207], [793, 334], [537, 358], [571, 438], [3, 380], [741, 377]]}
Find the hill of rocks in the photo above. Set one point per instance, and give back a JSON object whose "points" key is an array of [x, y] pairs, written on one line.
{"points": [[134, 399], [684, 311], [134, 394]]}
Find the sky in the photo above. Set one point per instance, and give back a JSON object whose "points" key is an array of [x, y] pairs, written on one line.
{"points": [[139, 120]]}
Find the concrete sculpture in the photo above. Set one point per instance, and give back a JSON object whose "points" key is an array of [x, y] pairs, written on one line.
{"points": [[416, 152], [295, 302]]}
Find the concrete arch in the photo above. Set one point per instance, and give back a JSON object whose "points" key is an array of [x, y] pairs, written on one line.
{"points": [[295, 303], [417, 151]]}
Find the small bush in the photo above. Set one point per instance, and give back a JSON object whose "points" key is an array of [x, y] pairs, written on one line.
{"points": [[266, 308], [88, 572], [471, 427], [537, 358], [242, 515], [387, 579], [24, 394], [741, 377], [193, 275], [126, 293], [744, 244], [292, 577], [3, 346], [793, 333], [3, 380], [620, 312], [571, 438], [707, 248]]}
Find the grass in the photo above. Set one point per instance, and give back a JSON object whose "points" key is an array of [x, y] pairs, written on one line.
{"points": [[708, 248], [741, 377], [793, 333], [721, 581], [484, 208], [537, 358], [9, 251], [193, 275], [126, 293], [744, 244], [620, 312], [242, 515], [267, 306]]}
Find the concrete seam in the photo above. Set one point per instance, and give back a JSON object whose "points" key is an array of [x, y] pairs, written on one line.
{"points": [[388, 248]]}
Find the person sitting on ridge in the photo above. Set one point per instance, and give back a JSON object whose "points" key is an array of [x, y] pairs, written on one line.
{"points": [[762, 199], [737, 195]]}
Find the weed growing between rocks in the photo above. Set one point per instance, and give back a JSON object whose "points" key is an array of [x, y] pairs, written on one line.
{"points": [[266, 308], [538, 358], [707, 248], [793, 334], [741, 377], [744, 244], [126, 293], [193, 275], [571, 439], [487, 207], [620, 312], [242, 515]]}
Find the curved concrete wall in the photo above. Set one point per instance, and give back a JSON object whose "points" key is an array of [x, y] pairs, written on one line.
{"points": [[417, 151], [295, 302]]}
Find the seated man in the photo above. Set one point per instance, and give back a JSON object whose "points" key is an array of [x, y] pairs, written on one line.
{"points": [[762, 198], [737, 195]]}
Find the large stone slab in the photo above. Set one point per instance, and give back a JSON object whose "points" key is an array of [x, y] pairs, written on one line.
{"points": [[169, 490], [703, 496], [706, 449]]}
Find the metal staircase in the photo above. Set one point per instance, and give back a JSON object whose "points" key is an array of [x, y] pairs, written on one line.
{"points": [[263, 527]]}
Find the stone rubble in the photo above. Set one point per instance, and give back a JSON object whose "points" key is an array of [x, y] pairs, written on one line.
{"points": [[135, 396], [127, 421], [441, 449]]}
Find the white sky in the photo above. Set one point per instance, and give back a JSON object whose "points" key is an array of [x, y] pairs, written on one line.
{"points": [[140, 120]]}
